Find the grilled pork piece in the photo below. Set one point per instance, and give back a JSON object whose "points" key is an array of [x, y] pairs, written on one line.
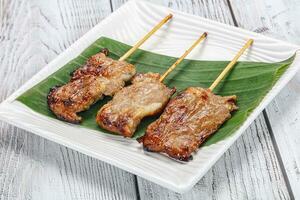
{"points": [[188, 119], [146, 96], [99, 76]]}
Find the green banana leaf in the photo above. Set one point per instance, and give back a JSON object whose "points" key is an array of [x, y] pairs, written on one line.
{"points": [[250, 81]]}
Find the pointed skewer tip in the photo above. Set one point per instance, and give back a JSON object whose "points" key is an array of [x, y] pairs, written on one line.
{"points": [[146, 37], [172, 67], [231, 64], [170, 15], [251, 41]]}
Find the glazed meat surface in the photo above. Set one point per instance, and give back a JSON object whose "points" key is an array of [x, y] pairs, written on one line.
{"points": [[146, 96], [187, 120], [99, 76]]}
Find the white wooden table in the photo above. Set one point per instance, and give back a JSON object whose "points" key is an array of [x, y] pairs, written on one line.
{"points": [[263, 164]]}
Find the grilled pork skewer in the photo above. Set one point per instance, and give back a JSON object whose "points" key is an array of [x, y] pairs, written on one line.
{"points": [[88, 84], [146, 96], [98, 77], [190, 118], [187, 121]]}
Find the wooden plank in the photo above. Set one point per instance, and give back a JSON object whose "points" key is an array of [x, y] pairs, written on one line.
{"points": [[31, 34], [250, 168], [213, 9], [279, 19]]}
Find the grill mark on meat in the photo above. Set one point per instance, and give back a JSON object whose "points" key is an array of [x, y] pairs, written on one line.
{"points": [[187, 121], [115, 126], [50, 97], [92, 67], [68, 102], [105, 51]]}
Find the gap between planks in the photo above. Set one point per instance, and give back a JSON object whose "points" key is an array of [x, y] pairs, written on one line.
{"points": [[279, 19], [266, 118], [277, 152]]}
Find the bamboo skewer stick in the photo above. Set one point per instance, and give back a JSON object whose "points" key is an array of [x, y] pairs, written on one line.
{"points": [[230, 65], [147, 36], [202, 37]]}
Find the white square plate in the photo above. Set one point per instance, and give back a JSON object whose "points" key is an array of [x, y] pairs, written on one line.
{"points": [[128, 24]]}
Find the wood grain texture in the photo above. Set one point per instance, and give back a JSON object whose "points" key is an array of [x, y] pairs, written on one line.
{"points": [[249, 170], [32, 33], [279, 19], [212, 9]]}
